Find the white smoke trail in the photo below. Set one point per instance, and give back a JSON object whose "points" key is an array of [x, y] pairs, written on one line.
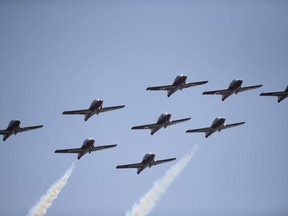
{"points": [[46, 200], [149, 200]]}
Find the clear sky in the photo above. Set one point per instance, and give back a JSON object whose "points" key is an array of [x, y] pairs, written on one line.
{"points": [[60, 55]]}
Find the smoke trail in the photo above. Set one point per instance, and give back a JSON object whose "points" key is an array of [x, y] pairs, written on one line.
{"points": [[149, 200], [46, 200]]}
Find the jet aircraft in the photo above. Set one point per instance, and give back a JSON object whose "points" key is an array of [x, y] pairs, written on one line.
{"points": [[234, 88], [88, 146], [178, 84], [281, 94], [217, 125], [163, 121], [14, 128], [95, 108], [148, 161]]}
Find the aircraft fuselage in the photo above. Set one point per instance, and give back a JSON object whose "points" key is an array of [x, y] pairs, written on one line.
{"points": [[217, 125], [164, 119], [87, 146], [95, 108], [148, 161], [235, 86], [180, 81], [13, 128]]}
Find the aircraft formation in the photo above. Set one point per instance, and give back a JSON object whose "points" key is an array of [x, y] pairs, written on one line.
{"points": [[163, 121]]}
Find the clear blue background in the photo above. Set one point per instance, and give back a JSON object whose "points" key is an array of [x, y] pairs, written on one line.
{"points": [[60, 55]]}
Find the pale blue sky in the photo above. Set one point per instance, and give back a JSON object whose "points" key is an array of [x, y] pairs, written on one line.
{"points": [[60, 55]]}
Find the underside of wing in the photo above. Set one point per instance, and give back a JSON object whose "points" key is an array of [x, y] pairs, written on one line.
{"points": [[105, 109], [283, 93], [136, 165], [97, 148], [178, 121], [217, 92], [156, 88], [163, 161], [29, 128], [75, 150], [79, 112], [207, 129], [4, 132], [192, 84], [249, 88], [232, 125], [148, 126]]}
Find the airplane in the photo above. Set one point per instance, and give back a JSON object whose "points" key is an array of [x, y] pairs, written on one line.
{"points": [[88, 146], [234, 88], [163, 121], [217, 125], [178, 84], [95, 108], [148, 161], [14, 128], [281, 94]]}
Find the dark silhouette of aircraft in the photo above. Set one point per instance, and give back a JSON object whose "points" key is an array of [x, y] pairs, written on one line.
{"points": [[95, 108], [217, 125], [234, 88], [162, 122], [87, 147], [148, 161], [178, 84], [281, 94], [14, 128]]}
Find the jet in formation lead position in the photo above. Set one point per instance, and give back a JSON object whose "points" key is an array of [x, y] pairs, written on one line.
{"points": [[162, 122], [88, 146], [95, 108], [234, 88], [148, 161], [14, 128], [281, 94], [217, 125], [178, 84]]}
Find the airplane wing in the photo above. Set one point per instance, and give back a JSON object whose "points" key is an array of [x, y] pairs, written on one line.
{"points": [[207, 129], [155, 88], [97, 148], [282, 93], [105, 109], [29, 128], [136, 165], [178, 121], [81, 112], [75, 150], [217, 92], [249, 88], [3, 132], [163, 161], [148, 126], [187, 85], [232, 125]]}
